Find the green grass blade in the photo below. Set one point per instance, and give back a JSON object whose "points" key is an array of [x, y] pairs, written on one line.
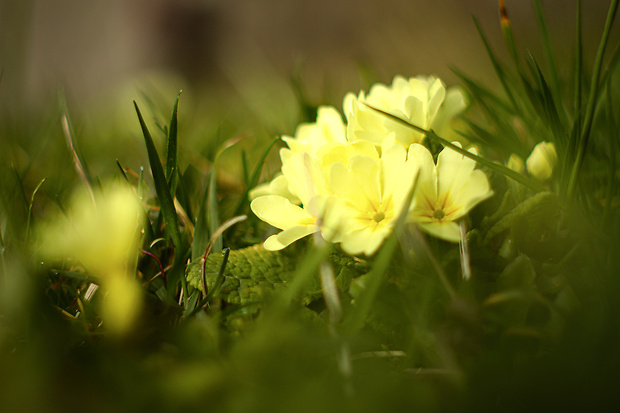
{"points": [[171, 148], [213, 217], [613, 150], [201, 229], [161, 187], [549, 108], [578, 66], [508, 35], [542, 22], [356, 319], [571, 149], [78, 161], [501, 169], [182, 195], [29, 219], [584, 138], [253, 181], [496, 66], [480, 91]]}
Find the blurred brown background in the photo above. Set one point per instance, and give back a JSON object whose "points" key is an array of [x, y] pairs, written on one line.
{"points": [[217, 45]]}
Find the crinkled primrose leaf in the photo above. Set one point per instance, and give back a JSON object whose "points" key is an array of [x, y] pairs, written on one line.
{"points": [[252, 272]]}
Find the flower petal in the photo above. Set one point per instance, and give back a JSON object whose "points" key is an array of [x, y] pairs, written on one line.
{"points": [[280, 212], [446, 230], [288, 236]]}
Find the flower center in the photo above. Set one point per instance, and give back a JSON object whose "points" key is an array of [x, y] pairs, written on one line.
{"points": [[379, 216], [438, 213]]}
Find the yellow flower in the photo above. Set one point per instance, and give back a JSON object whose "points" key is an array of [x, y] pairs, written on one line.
{"points": [[371, 193], [328, 129], [447, 191], [306, 181], [423, 101], [104, 238], [542, 160], [277, 186], [352, 195]]}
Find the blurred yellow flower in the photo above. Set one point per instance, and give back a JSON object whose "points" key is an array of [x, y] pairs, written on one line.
{"points": [[447, 191], [328, 129], [104, 238], [422, 101], [542, 160], [515, 162]]}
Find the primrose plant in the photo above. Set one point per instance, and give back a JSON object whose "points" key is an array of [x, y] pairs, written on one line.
{"points": [[350, 182]]}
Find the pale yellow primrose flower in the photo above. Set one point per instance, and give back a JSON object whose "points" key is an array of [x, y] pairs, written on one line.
{"points": [[328, 129], [302, 182], [422, 101], [307, 182], [447, 191], [104, 238], [357, 206], [371, 194], [542, 160], [309, 138], [305, 175]]}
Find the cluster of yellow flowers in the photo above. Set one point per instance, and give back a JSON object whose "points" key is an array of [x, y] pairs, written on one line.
{"points": [[350, 182]]}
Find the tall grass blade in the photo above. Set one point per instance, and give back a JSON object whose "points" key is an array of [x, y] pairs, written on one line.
{"points": [[253, 181], [549, 108], [161, 187], [78, 162], [501, 75], [29, 219], [213, 215], [613, 150], [571, 150], [201, 230], [171, 148], [584, 138], [578, 67], [483, 161], [376, 276], [480, 91], [542, 22], [508, 35]]}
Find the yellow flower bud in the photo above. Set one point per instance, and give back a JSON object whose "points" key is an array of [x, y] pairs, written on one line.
{"points": [[542, 160]]}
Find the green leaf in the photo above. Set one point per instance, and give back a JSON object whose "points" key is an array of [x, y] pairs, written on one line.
{"points": [[376, 277], [254, 178], [550, 110], [171, 148], [534, 205], [161, 187], [584, 137], [496, 65], [30, 207], [542, 22], [213, 215], [201, 229], [489, 164]]}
